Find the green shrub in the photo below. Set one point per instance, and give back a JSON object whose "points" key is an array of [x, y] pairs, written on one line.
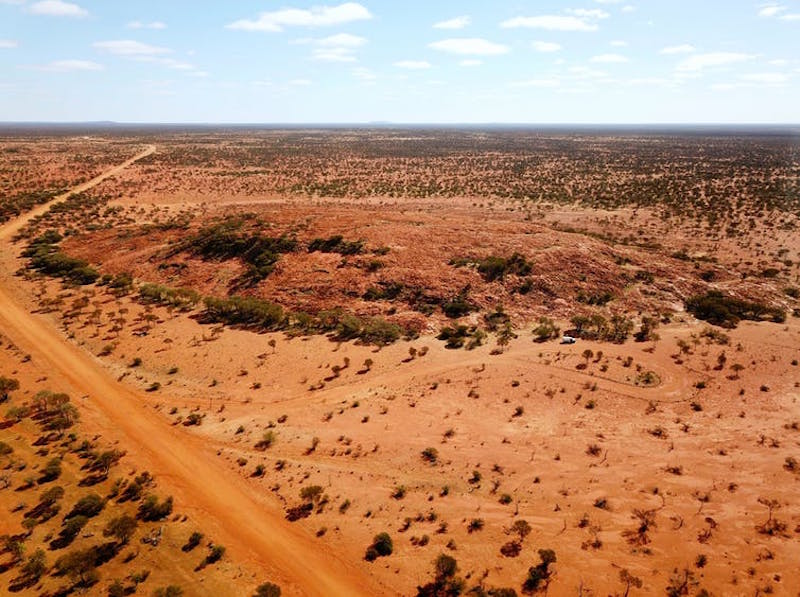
{"points": [[152, 510], [183, 299], [244, 311], [268, 589], [382, 546], [726, 311], [336, 244]]}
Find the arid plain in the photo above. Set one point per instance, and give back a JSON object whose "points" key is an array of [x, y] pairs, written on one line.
{"points": [[337, 356]]}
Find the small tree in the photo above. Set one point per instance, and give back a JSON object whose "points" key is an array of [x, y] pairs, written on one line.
{"points": [[630, 581], [540, 574], [7, 385], [546, 330], [121, 528], [151, 509], [445, 581], [505, 335], [382, 546], [520, 528], [430, 455], [268, 589], [79, 565], [35, 566]]}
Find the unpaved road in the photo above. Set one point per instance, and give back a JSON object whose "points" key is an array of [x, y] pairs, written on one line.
{"points": [[215, 497]]}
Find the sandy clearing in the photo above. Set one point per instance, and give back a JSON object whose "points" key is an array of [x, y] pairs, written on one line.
{"points": [[204, 488]]}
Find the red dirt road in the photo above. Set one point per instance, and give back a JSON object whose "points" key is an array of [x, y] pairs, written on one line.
{"points": [[218, 499]]}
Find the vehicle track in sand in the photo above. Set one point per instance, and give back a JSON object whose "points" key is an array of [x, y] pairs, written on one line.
{"points": [[215, 497]]}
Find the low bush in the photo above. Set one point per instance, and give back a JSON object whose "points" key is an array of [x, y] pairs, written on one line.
{"points": [[726, 311]]}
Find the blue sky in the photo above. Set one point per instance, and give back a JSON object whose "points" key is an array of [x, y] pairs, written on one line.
{"points": [[294, 61]]}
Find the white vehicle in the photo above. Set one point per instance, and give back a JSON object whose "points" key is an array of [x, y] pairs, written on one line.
{"points": [[568, 340]]}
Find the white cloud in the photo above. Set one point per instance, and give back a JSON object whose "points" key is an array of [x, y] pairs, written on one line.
{"points": [[129, 47], [342, 40], [6, 44], [57, 8], [542, 83], [470, 62], [725, 86], [299, 82], [413, 64], [336, 48], [545, 46], [364, 74], [316, 16], [151, 25], [470, 45], [609, 58], [141, 52], [588, 13], [652, 82], [628, 8], [63, 66], [608, 1], [550, 23], [584, 72], [767, 78], [333, 55], [618, 43], [681, 49], [172, 63], [699, 62], [771, 10], [455, 23]]}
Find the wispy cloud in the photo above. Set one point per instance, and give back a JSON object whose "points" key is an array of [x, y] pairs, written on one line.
{"points": [[680, 49], [342, 40], [333, 55], [546, 46], [545, 83], [151, 25], [63, 66], [470, 62], [316, 16], [413, 64], [700, 62], [336, 48], [6, 44], [364, 74], [609, 59], [766, 78], [57, 8], [454, 23], [470, 46], [771, 10], [588, 13], [550, 23], [775, 10], [141, 52], [129, 47]]}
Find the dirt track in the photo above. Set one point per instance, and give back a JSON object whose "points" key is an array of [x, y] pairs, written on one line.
{"points": [[254, 532]]}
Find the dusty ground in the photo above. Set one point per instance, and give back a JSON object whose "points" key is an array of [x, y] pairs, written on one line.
{"points": [[585, 447]]}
